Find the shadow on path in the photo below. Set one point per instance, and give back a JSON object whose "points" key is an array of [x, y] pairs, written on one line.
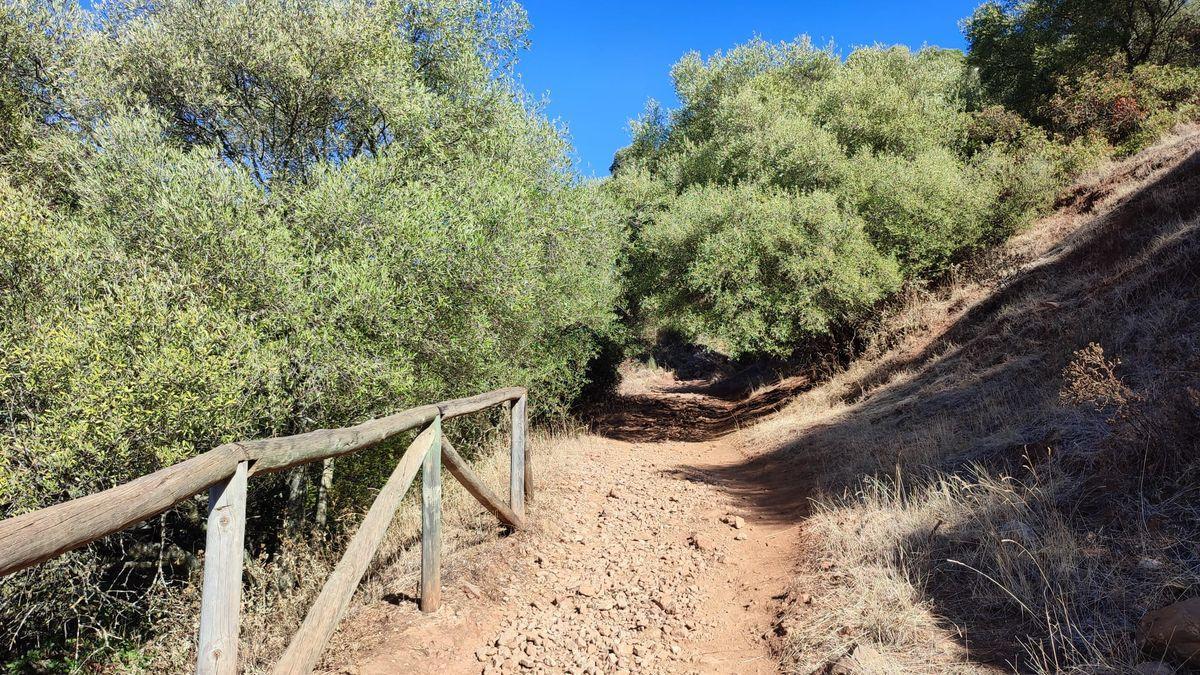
{"points": [[693, 411]]}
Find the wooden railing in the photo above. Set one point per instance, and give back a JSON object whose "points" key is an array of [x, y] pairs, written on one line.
{"points": [[224, 471]]}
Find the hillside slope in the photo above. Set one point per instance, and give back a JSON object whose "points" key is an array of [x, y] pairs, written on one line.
{"points": [[1032, 434]]}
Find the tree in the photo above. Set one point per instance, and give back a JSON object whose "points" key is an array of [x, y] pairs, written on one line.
{"points": [[1021, 48], [278, 87]]}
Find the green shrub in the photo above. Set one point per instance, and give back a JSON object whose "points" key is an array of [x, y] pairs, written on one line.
{"points": [[995, 125], [1018, 186], [757, 138], [889, 133], [895, 102], [759, 272], [928, 211]]}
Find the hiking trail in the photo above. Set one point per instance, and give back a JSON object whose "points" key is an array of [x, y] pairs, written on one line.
{"points": [[658, 545]]}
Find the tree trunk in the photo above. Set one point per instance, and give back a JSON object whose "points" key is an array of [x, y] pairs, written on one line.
{"points": [[323, 493]]}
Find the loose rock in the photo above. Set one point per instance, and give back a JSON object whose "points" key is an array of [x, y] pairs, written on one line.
{"points": [[1173, 630]]}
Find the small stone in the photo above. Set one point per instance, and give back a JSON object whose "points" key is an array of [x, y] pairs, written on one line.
{"points": [[586, 590], [665, 603], [740, 536], [738, 522], [528, 664], [703, 542]]}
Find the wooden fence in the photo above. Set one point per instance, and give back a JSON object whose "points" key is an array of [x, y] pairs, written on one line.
{"points": [[224, 471]]}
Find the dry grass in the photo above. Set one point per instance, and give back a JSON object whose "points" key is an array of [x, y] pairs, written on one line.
{"points": [[1009, 471], [278, 590]]}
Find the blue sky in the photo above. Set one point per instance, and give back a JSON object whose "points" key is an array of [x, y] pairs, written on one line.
{"points": [[598, 62]]}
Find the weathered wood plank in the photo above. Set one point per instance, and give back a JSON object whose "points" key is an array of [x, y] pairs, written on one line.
{"points": [[516, 452], [521, 439], [276, 454], [460, 469], [323, 617], [33, 537], [221, 601], [431, 525]]}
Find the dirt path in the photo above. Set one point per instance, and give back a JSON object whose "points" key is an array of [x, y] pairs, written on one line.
{"points": [[640, 561]]}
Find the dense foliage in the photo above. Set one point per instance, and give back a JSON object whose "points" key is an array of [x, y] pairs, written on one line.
{"points": [[1077, 65], [793, 190], [226, 219]]}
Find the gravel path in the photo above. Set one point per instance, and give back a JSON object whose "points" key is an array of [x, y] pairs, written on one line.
{"points": [[644, 559]]}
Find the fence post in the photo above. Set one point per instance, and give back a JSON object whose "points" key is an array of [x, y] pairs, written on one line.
{"points": [[221, 601], [519, 481], [431, 524]]}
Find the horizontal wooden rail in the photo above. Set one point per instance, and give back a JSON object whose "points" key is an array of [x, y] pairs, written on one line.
{"points": [[33, 537]]}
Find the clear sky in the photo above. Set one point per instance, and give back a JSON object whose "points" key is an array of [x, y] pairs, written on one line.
{"points": [[598, 62]]}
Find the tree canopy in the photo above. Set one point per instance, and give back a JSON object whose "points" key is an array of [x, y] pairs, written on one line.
{"points": [[1022, 48]]}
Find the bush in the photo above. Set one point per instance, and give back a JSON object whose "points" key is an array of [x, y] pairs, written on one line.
{"points": [[927, 212], [891, 101], [760, 272], [888, 135], [757, 138], [1128, 109]]}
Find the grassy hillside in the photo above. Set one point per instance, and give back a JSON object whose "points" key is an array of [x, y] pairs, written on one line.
{"points": [[1030, 437]]}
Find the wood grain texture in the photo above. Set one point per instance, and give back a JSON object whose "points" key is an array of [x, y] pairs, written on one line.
{"points": [[431, 525], [33, 537], [323, 617], [221, 601], [521, 421], [323, 491], [461, 470], [276, 454], [516, 477]]}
